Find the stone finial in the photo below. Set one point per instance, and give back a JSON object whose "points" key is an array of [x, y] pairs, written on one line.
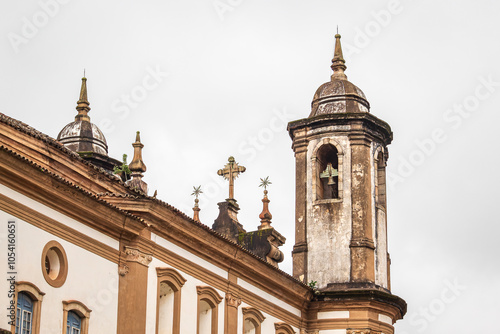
{"points": [[265, 216], [196, 209], [338, 62], [137, 166], [82, 106]]}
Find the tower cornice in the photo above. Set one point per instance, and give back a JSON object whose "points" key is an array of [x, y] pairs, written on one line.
{"points": [[361, 122]]}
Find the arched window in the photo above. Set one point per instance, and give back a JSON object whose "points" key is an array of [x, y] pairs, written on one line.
{"points": [[29, 304], [208, 310], [380, 188], [24, 319], [327, 170], [252, 320], [282, 328], [73, 324], [168, 305], [76, 316]]}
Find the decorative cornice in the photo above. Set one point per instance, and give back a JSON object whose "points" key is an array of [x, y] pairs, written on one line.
{"points": [[281, 327], [254, 313], [172, 276], [362, 331], [367, 123], [206, 292]]}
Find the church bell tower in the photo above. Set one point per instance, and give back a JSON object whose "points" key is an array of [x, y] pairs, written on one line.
{"points": [[340, 218]]}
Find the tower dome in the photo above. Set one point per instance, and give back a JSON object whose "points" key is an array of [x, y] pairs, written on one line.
{"points": [[84, 137], [338, 95]]}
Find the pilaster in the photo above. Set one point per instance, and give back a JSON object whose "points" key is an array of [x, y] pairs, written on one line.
{"points": [[362, 245], [231, 313], [299, 252], [132, 291]]}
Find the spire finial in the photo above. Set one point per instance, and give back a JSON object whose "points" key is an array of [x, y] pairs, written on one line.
{"points": [[82, 106], [196, 192], [137, 166], [265, 216], [338, 62]]}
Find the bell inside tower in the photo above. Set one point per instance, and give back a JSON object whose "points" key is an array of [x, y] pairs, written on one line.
{"points": [[328, 165]]}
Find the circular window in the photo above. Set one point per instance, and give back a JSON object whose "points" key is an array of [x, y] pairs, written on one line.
{"points": [[54, 264]]}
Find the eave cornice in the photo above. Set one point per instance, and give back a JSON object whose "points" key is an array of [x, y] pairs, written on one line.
{"points": [[72, 200], [213, 247], [365, 121]]}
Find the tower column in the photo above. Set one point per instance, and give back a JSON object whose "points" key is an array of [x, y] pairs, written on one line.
{"points": [[362, 245], [299, 252]]}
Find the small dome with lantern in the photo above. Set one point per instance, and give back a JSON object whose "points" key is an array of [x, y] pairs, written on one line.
{"points": [[338, 95], [85, 138]]}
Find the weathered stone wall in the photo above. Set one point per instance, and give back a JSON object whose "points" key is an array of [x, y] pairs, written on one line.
{"points": [[329, 221]]}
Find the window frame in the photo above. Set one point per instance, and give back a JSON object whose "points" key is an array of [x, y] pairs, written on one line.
{"points": [[36, 296], [63, 264], [380, 178], [171, 277], [315, 164], [81, 310], [212, 298], [255, 316], [283, 328]]}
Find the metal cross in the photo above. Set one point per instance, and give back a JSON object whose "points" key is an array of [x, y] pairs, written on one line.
{"points": [[329, 173], [230, 172]]}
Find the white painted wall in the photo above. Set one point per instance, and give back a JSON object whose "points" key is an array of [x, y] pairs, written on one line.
{"points": [[267, 324], [189, 298], [269, 297], [187, 255], [333, 315], [59, 217], [91, 280]]}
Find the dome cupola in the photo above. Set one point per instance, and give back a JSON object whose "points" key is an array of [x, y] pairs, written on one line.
{"points": [[338, 95], [84, 137]]}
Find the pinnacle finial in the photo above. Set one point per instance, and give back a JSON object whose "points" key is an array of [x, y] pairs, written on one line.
{"points": [[338, 62], [137, 166], [196, 209], [82, 106], [265, 216]]}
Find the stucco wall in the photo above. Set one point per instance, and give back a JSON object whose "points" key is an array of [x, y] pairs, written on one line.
{"points": [[329, 223], [91, 280]]}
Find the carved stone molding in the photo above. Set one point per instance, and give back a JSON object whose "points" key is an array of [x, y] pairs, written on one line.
{"points": [[135, 255], [362, 331], [123, 269], [232, 300]]}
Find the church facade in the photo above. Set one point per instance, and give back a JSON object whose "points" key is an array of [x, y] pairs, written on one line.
{"points": [[135, 264]]}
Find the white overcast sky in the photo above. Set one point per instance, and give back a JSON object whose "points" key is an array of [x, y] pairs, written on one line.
{"points": [[229, 75]]}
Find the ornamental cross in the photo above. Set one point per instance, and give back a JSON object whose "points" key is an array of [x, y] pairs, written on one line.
{"points": [[329, 173], [230, 172]]}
